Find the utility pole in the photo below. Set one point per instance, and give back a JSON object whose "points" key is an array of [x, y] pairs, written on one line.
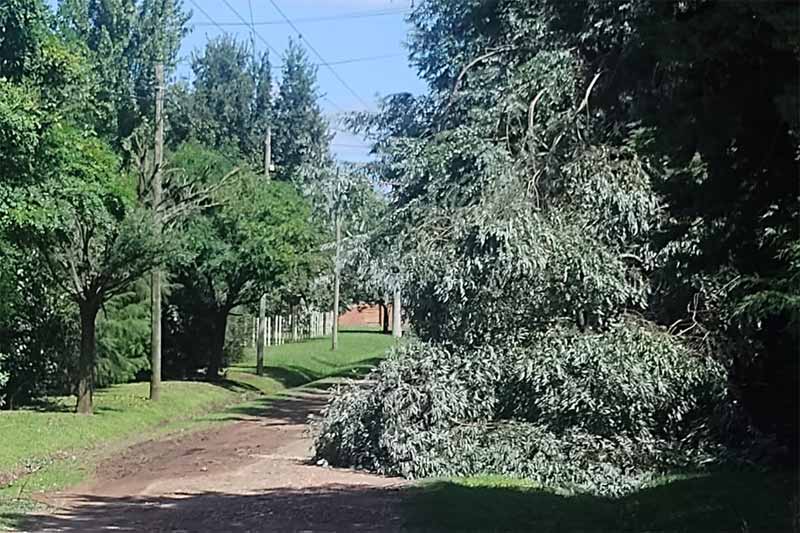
{"points": [[155, 275], [262, 303], [268, 152], [336, 276], [397, 326], [262, 334]]}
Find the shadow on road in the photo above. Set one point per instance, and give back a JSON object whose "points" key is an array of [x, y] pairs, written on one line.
{"points": [[295, 405], [287, 409], [718, 502], [332, 508]]}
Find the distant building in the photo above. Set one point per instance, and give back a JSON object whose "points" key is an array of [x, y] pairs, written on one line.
{"points": [[365, 315]]}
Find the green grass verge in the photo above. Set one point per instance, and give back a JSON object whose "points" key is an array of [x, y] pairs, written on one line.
{"points": [[31, 436], [50, 449], [726, 501], [292, 365]]}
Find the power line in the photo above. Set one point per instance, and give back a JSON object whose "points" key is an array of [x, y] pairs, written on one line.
{"points": [[227, 3], [346, 61], [257, 34], [217, 24], [334, 104], [361, 59], [204, 12], [343, 16], [314, 50], [351, 61]]}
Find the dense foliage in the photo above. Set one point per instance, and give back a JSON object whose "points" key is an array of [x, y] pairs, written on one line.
{"points": [[600, 412], [69, 208], [574, 165], [255, 239], [79, 230]]}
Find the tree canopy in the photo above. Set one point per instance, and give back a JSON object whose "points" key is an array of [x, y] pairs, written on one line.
{"points": [[79, 227], [583, 177]]}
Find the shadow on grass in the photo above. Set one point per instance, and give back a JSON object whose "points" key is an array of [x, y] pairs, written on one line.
{"points": [[291, 376], [735, 502], [370, 331], [294, 406], [47, 405], [715, 503], [287, 409], [288, 376], [234, 386]]}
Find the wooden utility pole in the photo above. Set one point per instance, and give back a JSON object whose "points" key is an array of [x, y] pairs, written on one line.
{"points": [[262, 303], [262, 335], [268, 152], [336, 276], [155, 275], [397, 326]]}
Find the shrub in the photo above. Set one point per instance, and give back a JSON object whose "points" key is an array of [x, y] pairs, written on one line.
{"points": [[123, 338], [590, 412]]}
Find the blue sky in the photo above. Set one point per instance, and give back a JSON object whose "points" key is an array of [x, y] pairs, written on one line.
{"points": [[343, 30]]}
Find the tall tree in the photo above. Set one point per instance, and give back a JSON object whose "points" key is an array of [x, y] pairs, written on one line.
{"points": [[663, 92], [231, 100], [67, 201], [86, 230], [252, 241], [42, 81], [300, 135], [124, 39]]}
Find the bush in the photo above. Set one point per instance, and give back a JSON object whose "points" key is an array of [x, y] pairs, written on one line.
{"points": [[592, 412], [123, 337]]}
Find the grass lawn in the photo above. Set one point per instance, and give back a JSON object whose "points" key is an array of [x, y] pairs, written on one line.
{"points": [[727, 501], [292, 365], [54, 448]]}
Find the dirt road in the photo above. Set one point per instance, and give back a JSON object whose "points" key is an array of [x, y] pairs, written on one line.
{"points": [[252, 474]]}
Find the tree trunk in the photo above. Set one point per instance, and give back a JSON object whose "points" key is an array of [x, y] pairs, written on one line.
{"points": [[217, 350], [88, 311], [262, 334], [397, 326], [385, 310]]}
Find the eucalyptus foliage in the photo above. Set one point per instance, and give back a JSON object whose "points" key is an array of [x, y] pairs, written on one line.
{"points": [[543, 193], [600, 413]]}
